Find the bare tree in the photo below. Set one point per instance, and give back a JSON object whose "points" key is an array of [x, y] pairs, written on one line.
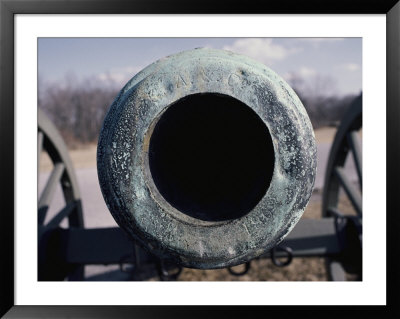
{"points": [[320, 98], [77, 110]]}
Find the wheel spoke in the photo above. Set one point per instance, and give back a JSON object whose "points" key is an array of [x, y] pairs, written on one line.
{"points": [[65, 212], [350, 190], [355, 146], [335, 212], [48, 192], [337, 271], [39, 150]]}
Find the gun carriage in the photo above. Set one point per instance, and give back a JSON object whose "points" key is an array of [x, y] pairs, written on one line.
{"points": [[206, 160]]}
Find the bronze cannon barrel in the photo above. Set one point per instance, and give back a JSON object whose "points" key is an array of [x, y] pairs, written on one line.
{"points": [[207, 158]]}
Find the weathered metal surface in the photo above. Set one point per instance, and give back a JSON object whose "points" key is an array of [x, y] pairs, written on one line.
{"points": [[126, 178]]}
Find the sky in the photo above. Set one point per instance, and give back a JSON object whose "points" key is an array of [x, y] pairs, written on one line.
{"points": [[331, 65]]}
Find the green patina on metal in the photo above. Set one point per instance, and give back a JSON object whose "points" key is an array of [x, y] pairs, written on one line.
{"points": [[135, 201]]}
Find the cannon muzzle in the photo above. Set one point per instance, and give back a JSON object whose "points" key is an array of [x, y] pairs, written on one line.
{"points": [[207, 158]]}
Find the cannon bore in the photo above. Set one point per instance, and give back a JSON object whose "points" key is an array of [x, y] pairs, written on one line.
{"points": [[211, 157]]}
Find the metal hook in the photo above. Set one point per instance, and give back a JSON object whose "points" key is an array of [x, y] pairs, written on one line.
{"points": [[164, 273], [125, 260], [279, 263], [245, 271]]}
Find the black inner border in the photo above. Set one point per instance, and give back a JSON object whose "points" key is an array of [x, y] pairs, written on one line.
{"points": [[9, 8]]}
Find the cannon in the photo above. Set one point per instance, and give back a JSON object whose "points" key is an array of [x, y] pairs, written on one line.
{"points": [[207, 159]]}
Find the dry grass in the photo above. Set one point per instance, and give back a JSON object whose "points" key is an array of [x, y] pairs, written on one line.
{"points": [[301, 269], [84, 157], [325, 134]]}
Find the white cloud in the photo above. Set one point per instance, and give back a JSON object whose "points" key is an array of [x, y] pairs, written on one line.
{"points": [[307, 72], [288, 76], [319, 40], [119, 76], [113, 77], [302, 73], [350, 67], [264, 50]]}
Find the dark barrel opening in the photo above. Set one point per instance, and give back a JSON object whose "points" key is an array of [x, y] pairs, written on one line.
{"points": [[211, 157]]}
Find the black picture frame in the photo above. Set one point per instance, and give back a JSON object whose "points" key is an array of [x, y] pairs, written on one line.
{"points": [[8, 10]]}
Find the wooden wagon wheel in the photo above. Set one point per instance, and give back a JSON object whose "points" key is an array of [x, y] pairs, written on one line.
{"points": [[50, 264], [348, 226]]}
